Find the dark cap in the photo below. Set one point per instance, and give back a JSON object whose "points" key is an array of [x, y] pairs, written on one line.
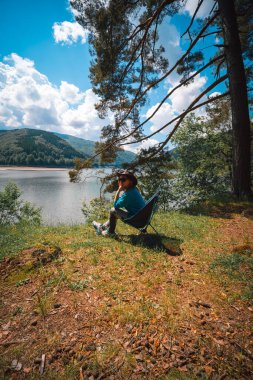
{"points": [[128, 174]]}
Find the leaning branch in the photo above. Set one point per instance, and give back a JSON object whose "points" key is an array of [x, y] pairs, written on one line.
{"points": [[192, 20], [161, 146], [135, 100], [169, 94], [115, 141], [183, 114]]}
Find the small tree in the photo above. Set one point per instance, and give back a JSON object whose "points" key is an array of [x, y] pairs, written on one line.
{"points": [[14, 210], [204, 155]]}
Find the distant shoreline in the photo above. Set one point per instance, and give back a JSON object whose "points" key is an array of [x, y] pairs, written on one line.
{"points": [[31, 168]]}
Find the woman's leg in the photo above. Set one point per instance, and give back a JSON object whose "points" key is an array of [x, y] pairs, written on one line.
{"points": [[114, 215]]}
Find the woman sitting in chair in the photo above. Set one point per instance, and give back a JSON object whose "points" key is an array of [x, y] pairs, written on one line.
{"points": [[128, 198]]}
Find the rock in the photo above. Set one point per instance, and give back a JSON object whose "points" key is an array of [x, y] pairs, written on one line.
{"points": [[204, 304], [16, 365]]}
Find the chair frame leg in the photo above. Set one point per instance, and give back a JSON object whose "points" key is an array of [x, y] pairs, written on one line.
{"points": [[144, 231], [154, 229]]}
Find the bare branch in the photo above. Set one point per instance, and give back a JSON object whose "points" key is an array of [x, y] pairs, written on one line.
{"points": [[146, 24], [170, 93], [209, 34], [183, 114], [135, 100], [210, 100], [116, 140], [192, 19]]}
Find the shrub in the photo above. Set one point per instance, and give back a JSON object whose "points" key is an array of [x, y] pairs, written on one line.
{"points": [[14, 210], [97, 209]]}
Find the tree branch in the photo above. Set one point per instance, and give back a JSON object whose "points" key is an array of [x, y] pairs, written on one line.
{"points": [[162, 145], [192, 19], [171, 92], [182, 115], [135, 100]]}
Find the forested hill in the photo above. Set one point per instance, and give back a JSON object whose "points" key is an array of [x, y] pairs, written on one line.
{"points": [[32, 147], [88, 147]]}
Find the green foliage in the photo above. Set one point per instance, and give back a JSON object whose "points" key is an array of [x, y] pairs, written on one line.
{"points": [[13, 210], [238, 266], [31, 147], [78, 285], [116, 82], [128, 61], [156, 174], [204, 156], [87, 147], [97, 209]]}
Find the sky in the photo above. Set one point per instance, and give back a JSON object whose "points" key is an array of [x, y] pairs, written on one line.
{"points": [[44, 70]]}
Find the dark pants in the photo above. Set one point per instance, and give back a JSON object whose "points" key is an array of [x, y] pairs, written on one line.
{"points": [[114, 215]]}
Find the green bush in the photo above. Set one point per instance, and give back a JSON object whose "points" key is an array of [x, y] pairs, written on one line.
{"points": [[97, 209], [14, 210]]}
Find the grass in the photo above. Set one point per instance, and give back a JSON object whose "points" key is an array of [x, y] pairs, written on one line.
{"points": [[238, 267], [105, 285]]}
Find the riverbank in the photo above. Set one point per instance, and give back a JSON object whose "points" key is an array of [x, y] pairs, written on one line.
{"points": [[31, 168], [135, 307]]}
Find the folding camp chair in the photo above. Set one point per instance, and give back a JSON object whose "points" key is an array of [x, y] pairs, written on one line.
{"points": [[143, 218]]}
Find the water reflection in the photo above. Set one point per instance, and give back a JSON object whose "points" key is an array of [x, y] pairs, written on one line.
{"points": [[60, 200]]}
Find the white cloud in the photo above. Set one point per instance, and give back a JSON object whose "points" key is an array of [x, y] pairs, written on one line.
{"points": [[178, 102], [29, 99], [169, 38], [183, 97], [203, 11], [135, 148], [69, 32]]}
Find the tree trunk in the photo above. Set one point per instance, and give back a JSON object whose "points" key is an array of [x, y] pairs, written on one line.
{"points": [[241, 182]]}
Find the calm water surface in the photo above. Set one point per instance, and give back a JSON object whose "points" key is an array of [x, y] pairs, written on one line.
{"points": [[61, 201]]}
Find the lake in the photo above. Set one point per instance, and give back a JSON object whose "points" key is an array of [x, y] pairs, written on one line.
{"points": [[61, 201]]}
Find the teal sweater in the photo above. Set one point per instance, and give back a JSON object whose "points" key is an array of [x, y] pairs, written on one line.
{"points": [[131, 200]]}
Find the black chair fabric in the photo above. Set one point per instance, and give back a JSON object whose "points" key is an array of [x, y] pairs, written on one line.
{"points": [[143, 217]]}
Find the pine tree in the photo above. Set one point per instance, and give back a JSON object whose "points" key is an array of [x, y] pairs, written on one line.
{"points": [[128, 62]]}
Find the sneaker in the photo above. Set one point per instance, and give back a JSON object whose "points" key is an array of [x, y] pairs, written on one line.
{"points": [[98, 227], [107, 233]]}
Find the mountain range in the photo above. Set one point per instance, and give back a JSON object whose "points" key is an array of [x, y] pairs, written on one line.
{"points": [[34, 147]]}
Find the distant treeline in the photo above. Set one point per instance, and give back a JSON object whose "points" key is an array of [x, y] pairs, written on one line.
{"points": [[31, 147]]}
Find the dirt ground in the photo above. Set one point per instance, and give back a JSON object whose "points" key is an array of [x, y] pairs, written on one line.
{"points": [[121, 312]]}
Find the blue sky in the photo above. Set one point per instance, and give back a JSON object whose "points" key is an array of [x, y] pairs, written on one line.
{"points": [[44, 70], [26, 29]]}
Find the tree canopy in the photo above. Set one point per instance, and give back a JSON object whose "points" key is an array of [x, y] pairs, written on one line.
{"points": [[128, 61]]}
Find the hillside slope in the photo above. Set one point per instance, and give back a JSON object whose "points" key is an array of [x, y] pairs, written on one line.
{"points": [[135, 307], [32, 147], [88, 146]]}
